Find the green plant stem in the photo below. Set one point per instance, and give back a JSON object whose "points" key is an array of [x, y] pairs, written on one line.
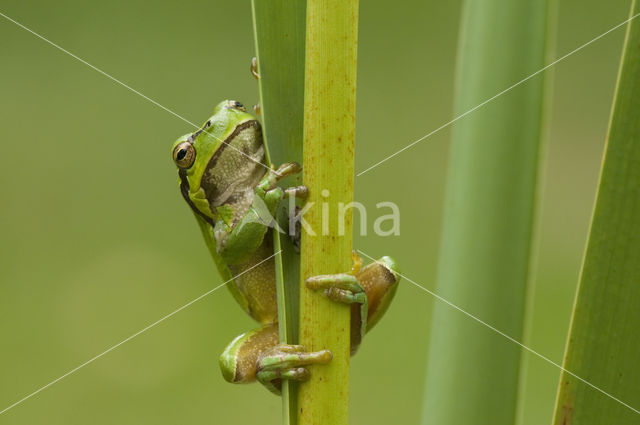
{"points": [[603, 346], [280, 53], [329, 131], [473, 373]]}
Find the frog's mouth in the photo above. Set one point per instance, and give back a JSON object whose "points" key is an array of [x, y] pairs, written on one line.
{"points": [[184, 190]]}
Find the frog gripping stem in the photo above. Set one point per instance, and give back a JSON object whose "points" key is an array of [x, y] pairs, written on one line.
{"points": [[285, 362]]}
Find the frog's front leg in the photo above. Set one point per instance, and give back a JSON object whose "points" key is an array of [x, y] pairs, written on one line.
{"points": [[368, 289], [272, 178], [270, 194], [257, 354], [237, 240]]}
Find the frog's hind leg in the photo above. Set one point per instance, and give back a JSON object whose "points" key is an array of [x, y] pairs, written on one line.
{"points": [[380, 282], [257, 354], [345, 288], [368, 289], [239, 361]]}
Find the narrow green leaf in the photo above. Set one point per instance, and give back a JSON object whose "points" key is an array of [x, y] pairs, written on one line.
{"points": [[473, 373], [280, 53], [603, 346], [329, 130]]}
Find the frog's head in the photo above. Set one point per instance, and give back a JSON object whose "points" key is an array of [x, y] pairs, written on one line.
{"points": [[211, 160]]}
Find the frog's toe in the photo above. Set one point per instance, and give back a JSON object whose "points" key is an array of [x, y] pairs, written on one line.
{"points": [[272, 379], [254, 68], [289, 348], [342, 281], [286, 362], [291, 356], [300, 192], [287, 169], [346, 296], [271, 179], [294, 373]]}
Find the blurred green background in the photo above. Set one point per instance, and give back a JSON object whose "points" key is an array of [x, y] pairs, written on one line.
{"points": [[96, 242]]}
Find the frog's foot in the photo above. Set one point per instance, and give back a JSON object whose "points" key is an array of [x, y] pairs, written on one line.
{"points": [[256, 108], [346, 288], [271, 179], [287, 169], [286, 362], [254, 68], [341, 287]]}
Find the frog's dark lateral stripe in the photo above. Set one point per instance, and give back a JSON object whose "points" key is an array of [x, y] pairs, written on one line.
{"points": [[211, 194], [239, 128]]}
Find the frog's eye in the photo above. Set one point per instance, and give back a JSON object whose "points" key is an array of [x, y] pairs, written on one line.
{"points": [[184, 155], [237, 105]]}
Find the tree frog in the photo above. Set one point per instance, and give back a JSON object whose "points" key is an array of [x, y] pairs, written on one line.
{"points": [[232, 190]]}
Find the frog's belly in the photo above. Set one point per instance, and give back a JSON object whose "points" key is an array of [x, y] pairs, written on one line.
{"points": [[258, 284]]}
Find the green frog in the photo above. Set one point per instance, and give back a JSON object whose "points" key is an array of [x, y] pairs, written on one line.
{"points": [[233, 192]]}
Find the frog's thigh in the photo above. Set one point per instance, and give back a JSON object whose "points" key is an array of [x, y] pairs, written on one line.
{"points": [[379, 281], [239, 360]]}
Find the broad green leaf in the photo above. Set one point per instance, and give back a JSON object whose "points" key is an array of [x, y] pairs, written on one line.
{"points": [[603, 346], [473, 373], [280, 53]]}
